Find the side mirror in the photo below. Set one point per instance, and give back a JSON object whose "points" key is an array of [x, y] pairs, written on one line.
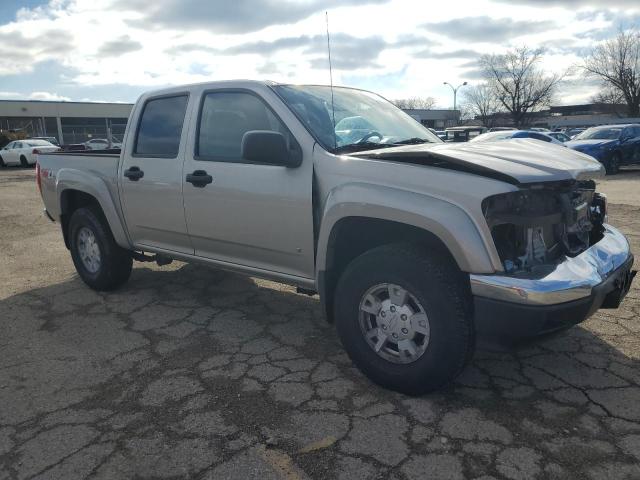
{"points": [[263, 146]]}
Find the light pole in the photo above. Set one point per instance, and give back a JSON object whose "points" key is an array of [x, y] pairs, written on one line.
{"points": [[455, 91]]}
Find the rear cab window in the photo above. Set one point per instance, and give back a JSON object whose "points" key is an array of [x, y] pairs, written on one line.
{"points": [[160, 126]]}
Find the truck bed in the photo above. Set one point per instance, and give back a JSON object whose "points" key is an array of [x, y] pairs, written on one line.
{"points": [[99, 168]]}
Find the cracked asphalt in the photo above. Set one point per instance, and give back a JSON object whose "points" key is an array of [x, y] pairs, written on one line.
{"points": [[188, 372]]}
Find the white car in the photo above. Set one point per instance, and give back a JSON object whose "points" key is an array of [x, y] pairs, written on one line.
{"points": [[101, 144], [24, 152], [509, 134]]}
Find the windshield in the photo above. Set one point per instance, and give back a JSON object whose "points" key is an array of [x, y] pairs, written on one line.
{"points": [[361, 118], [39, 143], [600, 134]]}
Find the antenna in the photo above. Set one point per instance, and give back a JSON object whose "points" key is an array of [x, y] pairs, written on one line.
{"points": [[333, 109]]}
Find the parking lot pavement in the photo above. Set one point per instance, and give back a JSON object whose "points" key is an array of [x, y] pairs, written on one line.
{"points": [[188, 372]]}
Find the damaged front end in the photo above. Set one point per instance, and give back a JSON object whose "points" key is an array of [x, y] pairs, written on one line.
{"points": [[538, 226]]}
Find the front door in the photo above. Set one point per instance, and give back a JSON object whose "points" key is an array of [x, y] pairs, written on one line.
{"points": [[252, 215], [631, 144], [151, 176], [9, 153]]}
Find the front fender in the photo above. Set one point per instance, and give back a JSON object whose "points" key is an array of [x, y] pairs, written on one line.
{"points": [[450, 223], [72, 179]]}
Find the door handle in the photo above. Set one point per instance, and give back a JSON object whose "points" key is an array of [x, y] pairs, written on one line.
{"points": [[134, 174], [199, 178]]}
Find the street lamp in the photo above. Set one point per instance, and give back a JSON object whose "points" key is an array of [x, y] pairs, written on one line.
{"points": [[455, 91]]}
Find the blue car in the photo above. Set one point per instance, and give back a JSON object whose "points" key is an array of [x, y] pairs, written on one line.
{"points": [[611, 145]]}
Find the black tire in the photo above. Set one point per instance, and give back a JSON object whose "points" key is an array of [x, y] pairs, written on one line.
{"points": [[115, 262], [23, 161], [2, 164], [613, 164], [443, 291]]}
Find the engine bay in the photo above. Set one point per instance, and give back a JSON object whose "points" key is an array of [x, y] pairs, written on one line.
{"points": [[536, 227]]}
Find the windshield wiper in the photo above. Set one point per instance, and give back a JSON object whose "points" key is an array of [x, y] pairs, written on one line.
{"points": [[360, 147], [412, 141]]}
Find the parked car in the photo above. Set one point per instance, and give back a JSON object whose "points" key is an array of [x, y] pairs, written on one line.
{"points": [[611, 145], [561, 137], [572, 132], [23, 152], [74, 147], [413, 245], [464, 133], [509, 134], [101, 144], [52, 140], [442, 135], [501, 129]]}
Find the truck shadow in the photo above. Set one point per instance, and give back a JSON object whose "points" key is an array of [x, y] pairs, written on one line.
{"points": [[256, 350]]}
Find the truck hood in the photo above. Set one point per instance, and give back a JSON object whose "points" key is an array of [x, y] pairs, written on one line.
{"points": [[516, 161]]}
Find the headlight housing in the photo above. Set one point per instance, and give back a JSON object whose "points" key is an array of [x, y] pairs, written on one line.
{"points": [[534, 227]]}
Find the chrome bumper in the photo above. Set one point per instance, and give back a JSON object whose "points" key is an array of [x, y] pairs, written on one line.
{"points": [[572, 279]]}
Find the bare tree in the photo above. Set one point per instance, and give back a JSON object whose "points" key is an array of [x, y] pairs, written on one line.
{"points": [[425, 103], [613, 97], [480, 101], [518, 82], [617, 63]]}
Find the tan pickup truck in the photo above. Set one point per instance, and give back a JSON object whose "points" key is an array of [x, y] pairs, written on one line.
{"points": [[412, 244]]}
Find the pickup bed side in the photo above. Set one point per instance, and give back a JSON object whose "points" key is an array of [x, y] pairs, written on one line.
{"points": [[81, 180]]}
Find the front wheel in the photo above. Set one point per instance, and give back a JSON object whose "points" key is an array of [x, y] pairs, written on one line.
{"points": [[2, 164], [100, 262], [404, 317], [23, 161]]}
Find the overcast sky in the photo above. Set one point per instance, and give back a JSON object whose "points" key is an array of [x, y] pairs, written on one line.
{"points": [[112, 50]]}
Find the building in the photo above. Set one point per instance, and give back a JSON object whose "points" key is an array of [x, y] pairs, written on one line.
{"points": [[437, 119], [588, 115], [589, 109], [68, 122], [569, 116]]}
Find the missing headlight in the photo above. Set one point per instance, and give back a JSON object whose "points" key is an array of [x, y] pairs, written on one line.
{"points": [[536, 226]]}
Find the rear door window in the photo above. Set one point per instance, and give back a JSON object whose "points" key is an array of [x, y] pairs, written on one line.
{"points": [[160, 127]]}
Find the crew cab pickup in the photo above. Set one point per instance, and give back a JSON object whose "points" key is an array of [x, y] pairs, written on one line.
{"points": [[413, 245]]}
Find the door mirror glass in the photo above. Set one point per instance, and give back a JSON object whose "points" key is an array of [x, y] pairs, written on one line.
{"points": [[262, 146]]}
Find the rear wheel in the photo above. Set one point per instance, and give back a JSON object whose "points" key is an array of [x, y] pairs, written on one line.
{"points": [[2, 164], [613, 164], [23, 161], [404, 318], [100, 262]]}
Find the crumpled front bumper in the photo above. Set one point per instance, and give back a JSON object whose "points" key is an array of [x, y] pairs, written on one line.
{"points": [[598, 277]]}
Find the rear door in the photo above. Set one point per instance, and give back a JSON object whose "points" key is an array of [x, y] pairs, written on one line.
{"points": [[252, 215], [151, 175]]}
